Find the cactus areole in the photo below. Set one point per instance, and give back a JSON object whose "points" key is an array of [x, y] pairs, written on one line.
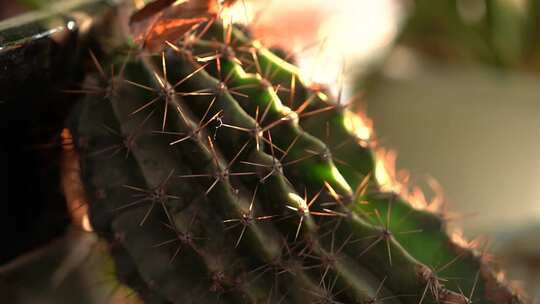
{"points": [[218, 174]]}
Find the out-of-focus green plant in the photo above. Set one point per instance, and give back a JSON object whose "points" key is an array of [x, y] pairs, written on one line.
{"points": [[34, 4], [500, 33]]}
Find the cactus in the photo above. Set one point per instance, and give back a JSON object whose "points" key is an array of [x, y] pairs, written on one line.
{"points": [[218, 174]]}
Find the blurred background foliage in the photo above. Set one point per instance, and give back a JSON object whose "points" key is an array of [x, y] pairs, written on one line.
{"points": [[500, 33], [452, 86]]}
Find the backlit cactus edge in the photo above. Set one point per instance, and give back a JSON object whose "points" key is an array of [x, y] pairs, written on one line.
{"points": [[219, 175]]}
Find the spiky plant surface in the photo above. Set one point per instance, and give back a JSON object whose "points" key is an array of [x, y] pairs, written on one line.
{"points": [[218, 174]]}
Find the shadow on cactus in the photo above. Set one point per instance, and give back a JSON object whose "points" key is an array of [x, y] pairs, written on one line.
{"points": [[218, 174]]}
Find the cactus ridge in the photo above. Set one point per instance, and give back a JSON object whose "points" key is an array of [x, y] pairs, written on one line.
{"points": [[212, 170]]}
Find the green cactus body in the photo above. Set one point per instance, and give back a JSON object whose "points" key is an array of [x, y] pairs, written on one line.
{"points": [[217, 174]]}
